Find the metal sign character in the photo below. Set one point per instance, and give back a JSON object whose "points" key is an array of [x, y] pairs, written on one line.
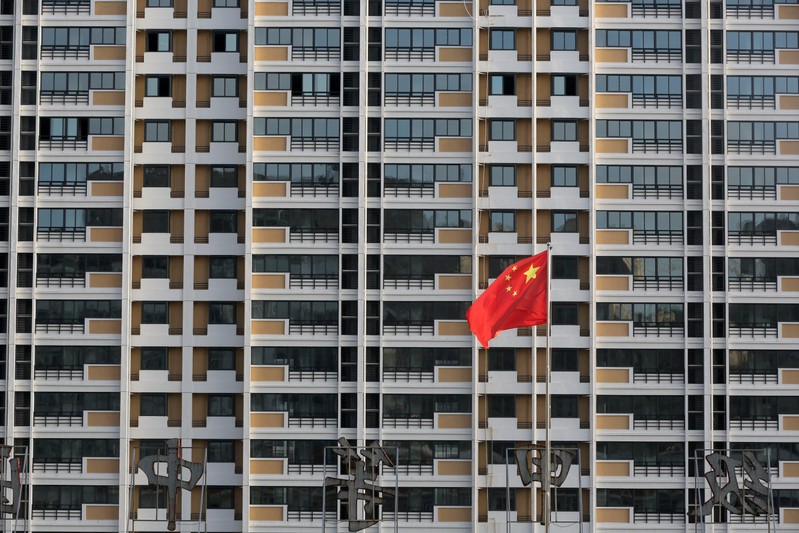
{"points": [[10, 505], [173, 479], [529, 465], [726, 490], [362, 467]]}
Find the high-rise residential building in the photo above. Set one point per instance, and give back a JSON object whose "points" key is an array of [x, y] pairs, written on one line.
{"points": [[256, 227]]}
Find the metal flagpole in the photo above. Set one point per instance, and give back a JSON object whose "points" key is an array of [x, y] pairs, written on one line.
{"points": [[546, 463]]}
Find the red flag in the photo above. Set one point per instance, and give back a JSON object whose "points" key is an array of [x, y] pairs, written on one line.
{"points": [[517, 298]]}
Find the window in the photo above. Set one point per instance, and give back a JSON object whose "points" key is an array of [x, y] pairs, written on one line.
{"points": [[157, 131], [223, 221], [154, 313], [301, 37], [224, 177], [155, 267], [158, 86], [565, 267], [564, 222], [153, 359], [222, 267], [502, 176], [565, 406], [498, 499], [498, 263], [564, 176], [221, 405], [221, 359], [564, 359], [155, 221], [564, 130], [221, 313], [226, 41], [152, 405], [221, 451], [224, 132], [158, 41], [501, 406], [564, 85], [226, 3], [159, 3], [502, 130], [502, 84], [502, 40], [225, 86], [156, 176], [106, 126], [564, 40], [565, 314], [502, 360], [502, 221]]}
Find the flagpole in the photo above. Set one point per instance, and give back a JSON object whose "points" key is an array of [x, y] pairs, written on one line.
{"points": [[546, 461]]}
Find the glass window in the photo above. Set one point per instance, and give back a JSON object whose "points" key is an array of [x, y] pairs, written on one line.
{"points": [[502, 84], [157, 130], [226, 41], [502, 360], [156, 176], [564, 130], [221, 313], [154, 313], [221, 405], [564, 267], [227, 177], [226, 131], [159, 3], [223, 221], [222, 267], [221, 359], [564, 222], [565, 314], [155, 221], [152, 405], [564, 176], [502, 221], [225, 86], [158, 41], [564, 40], [158, 86], [502, 40], [564, 85], [503, 130], [153, 358], [221, 451], [502, 176], [155, 267]]}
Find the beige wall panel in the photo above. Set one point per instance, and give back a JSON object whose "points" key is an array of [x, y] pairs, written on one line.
{"points": [[788, 12], [266, 467], [455, 236], [268, 327], [454, 328], [791, 516], [612, 191], [268, 373], [609, 515], [266, 189], [110, 8], [101, 326], [102, 466], [455, 99], [790, 422], [790, 284], [612, 146], [109, 97], [789, 147], [266, 514], [454, 468], [612, 468], [612, 329], [268, 235], [103, 418], [455, 144], [107, 188], [267, 420], [454, 54], [269, 144], [271, 9], [105, 281], [612, 283], [612, 375], [610, 11], [103, 373], [790, 469], [614, 100], [790, 331], [790, 376], [454, 282], [788, 192], [611, 55], [455, 190], [789, 101], [789, 238], [612, 236], [105, 144], [109, 53], [271, 53], [101, 512], [454, 421], [612, 422], [270, 98], [788, 57], [454, 514], [455, 374], [455, 9], [268, 281]]}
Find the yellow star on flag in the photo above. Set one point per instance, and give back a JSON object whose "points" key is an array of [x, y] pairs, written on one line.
{"points": [[508, 288], [531, 272], [507, 278], [514, 268], [515, 293]]}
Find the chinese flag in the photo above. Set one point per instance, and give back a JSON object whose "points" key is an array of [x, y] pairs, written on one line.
{"points": [[517, 298]]}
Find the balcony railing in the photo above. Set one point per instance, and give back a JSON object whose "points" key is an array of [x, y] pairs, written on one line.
{"points": [[657, 100], [656, 54], [641, 329], [647, 517], [315, 53], [61, 235], [660, 283], [658, 469], [420, 144], [314, 191], [58, 373], [407, 422], [61, 189], [411, 99], [408, 329], [312, 236], [311, 469], [653, 236], [766, 192], [316, 8], [63, 143], [751, 147], [314, 143], [752, 378], [658, 146], [752, 284], [64, 97], [746, 237], [411, 54], [410, 469], [302, 515], [312, 422], [408, 237], [315, 99], [750, 56], [312, 375], [657, 191], [312, 329], [57, 420], [411, 8], [409, 376], [409, 192], [57, 514], [414, 283], [658, 377], [409, 516], [753, 330], [751, 101], [61, 282], [763, 11], [658, 423], [313, 283], [754, 424], [50, 7], [60, 328], [65, 52], [656, 10]]}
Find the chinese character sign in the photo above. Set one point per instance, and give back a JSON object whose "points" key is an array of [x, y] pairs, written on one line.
{"points": [[359, 488], [11, 488], [173, 479], [725, 489], [529, 465]]}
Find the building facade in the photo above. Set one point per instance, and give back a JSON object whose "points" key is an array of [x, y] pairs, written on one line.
{"points": [[256, 227]]}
